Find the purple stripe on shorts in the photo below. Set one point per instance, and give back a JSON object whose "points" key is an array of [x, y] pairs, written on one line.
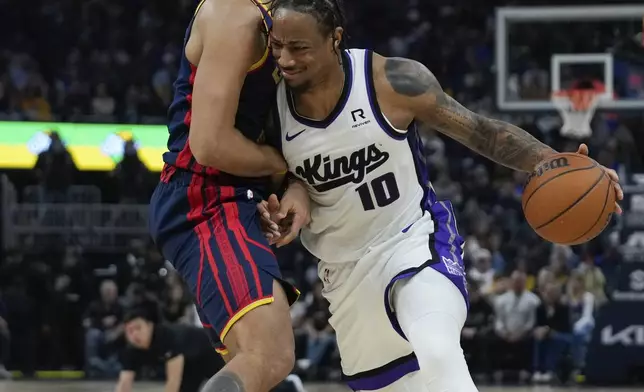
{"points": [[447, 249], [387, 377]]}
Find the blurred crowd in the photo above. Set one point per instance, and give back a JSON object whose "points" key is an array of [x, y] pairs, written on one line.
{"points": [[533, 304]]}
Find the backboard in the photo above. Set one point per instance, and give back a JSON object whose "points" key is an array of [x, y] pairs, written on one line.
{"points": [[541, 50]]}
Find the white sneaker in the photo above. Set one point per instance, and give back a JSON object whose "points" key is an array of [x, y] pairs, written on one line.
{"points": [[304, 363], [537, 377], [4, 373], [296, 381]]}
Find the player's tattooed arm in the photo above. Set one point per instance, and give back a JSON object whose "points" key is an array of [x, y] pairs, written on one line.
{"points": [[499, 141]]}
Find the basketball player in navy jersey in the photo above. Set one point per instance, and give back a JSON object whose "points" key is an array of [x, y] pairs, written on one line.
{"points": [[390, 252], [203, 211]]}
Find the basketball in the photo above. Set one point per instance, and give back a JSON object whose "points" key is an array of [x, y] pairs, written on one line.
{"points": [[569, 199]]}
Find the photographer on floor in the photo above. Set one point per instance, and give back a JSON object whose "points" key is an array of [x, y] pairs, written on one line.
{"points": [[189, 357], [190, 360]]}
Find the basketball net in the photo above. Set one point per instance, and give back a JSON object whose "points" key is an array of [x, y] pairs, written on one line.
{"points": [[577, 108]]}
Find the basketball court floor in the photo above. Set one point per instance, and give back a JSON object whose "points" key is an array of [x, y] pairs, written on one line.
{"points": [[84, 386]]}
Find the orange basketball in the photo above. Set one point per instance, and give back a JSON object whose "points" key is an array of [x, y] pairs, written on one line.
{"points": [[569, 199]]}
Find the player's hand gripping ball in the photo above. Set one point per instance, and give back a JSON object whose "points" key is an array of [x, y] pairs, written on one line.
{"points": [[569, 199]]}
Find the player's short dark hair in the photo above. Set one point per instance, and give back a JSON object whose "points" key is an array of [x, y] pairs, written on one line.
{"points": [[142, 313], [329, 13]]}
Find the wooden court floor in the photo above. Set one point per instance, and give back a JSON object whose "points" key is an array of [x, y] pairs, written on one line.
{"points": [[85, 386]]}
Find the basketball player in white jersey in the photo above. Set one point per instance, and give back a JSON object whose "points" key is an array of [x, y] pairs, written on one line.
{"points": [[391, 253]]}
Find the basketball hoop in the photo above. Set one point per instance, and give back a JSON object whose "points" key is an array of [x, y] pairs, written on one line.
{"points": [[577, 108]]}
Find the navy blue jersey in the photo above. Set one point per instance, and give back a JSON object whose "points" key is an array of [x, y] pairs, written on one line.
{"points": [[255, 102]]}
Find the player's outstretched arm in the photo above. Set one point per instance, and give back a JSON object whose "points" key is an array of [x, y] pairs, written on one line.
{"points": [[418, 90], [229, 31]]}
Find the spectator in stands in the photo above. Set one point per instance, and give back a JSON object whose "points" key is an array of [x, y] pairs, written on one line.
{"points": [[103, 104], [523, 266], [163, 78], [5, 100], [552, 333], [478, 183], [21, 307], [557, 269], [104, 327], [55, 171], [321, 338], [132, 176], [498, 260], [581, 305], [594, 280], [137, 296], [69, 290], [5, 342], [515, 315], [33, 103], [176, 304], [477, 331], [482, 272]]}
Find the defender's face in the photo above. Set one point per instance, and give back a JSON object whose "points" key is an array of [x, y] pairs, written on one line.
{"points": [[301, 50], [138, 333]]}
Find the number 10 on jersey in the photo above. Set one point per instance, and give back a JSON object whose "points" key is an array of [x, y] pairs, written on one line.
{"points": [[383, 189]]}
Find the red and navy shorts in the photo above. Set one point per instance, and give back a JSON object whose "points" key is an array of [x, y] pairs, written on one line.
{"points": [[212, 236]]}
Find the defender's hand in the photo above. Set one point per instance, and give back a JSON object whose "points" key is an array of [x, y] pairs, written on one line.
{"points": [[266, 209], [619, 193], [294, 213]]}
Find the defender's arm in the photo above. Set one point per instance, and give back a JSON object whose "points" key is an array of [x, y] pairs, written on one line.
{"points": [[222, 69], [418, 90]]}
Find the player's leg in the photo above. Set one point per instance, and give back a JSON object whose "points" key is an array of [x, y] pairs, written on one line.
{"points": [[218, 249], [374, 356], [256, 325], [262, 347], [431, 312]]}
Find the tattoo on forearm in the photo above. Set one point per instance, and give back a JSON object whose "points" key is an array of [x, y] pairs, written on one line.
{"points": [[508, 145], [224, 381], [499, 141]]}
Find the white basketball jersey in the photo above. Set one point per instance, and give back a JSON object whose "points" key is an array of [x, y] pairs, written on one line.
{"points": [[365, 178]]}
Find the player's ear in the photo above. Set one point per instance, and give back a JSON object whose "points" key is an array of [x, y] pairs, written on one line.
{"points": [[337, 37]]}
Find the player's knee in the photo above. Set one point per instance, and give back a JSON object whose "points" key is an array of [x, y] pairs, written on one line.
{"points": [[281, 363], [270, 370], [273, 367]]}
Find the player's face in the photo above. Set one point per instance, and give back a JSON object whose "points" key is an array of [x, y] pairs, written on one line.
{"points": [[301, 50], [138, 333]]}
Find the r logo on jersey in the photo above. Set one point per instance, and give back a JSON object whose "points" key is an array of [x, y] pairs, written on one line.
{"points": [[359, 118], [357, 113]]}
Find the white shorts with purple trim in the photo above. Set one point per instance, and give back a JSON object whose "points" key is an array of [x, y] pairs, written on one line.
{"points": [[373, 348]]}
